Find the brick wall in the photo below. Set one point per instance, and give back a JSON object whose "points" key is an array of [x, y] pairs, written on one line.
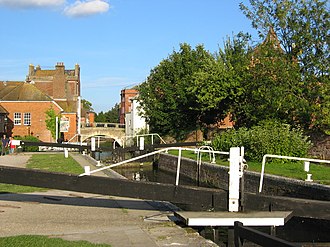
{"points": [[38, 117], [72, 128]]}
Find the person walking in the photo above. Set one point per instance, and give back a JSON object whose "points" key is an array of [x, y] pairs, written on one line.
{"points": [[4, 144]]}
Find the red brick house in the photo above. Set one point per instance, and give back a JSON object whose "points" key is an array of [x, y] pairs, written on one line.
{"points": [[126, 96], [26, 106], [26, 102]]}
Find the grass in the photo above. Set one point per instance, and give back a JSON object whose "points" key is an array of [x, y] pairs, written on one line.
{"points": [[53, 163], [291, 169], [49, 162], [42, 241]]}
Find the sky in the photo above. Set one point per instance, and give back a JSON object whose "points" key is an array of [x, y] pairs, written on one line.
{"points": [[115, 42]]}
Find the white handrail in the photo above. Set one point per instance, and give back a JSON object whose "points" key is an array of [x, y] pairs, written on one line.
{"points": [[149, 154], [137, 136], [284, 157]]}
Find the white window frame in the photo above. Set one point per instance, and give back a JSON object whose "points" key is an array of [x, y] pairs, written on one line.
{"points": [[17, 118], [27, 118]]}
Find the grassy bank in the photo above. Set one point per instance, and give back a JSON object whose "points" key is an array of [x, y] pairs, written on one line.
{"points": [[53, 163], [291, 169], [49, 162], [42, 241]]}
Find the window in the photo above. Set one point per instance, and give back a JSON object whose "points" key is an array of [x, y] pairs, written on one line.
{"points": [[27, 118], [17, 118]]}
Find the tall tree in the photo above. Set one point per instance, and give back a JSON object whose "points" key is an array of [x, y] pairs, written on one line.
{"points": [[302, 27], [169, 104]]}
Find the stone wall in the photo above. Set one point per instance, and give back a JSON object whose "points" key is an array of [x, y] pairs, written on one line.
{"points": [[217, 176]]}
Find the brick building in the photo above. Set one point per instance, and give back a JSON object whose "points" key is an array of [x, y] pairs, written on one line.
{"points": [[126, 97], [26, 102]]}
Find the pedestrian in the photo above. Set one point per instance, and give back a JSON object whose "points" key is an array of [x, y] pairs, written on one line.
{"points": [[4, 144], [11, 145]]}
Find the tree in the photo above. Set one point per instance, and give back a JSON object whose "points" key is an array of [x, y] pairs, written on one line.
{"points": [[111, 116], [167, 98], [51, 121], [302, 27], [87, 105]]}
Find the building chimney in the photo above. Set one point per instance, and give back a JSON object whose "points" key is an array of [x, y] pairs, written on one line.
{"points": [[77, 70], [31, 69], [59, 66]]}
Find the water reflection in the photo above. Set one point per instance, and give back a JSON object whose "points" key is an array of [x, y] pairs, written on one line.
{"points": [[149, 173]]}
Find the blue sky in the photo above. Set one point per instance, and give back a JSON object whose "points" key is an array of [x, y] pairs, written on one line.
{"points": [[115, 42]]}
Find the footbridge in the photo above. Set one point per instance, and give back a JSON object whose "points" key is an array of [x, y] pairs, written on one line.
{"points": [[115, 131]]}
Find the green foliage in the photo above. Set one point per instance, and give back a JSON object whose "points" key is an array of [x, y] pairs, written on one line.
{"points": [[87, 105], [30, 139], [41, 241], [111, 116], [302, 27], [270, 137], [51, 121], [169, 96]]}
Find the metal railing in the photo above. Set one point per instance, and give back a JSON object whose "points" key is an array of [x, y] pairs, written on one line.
{"points": [[103, 125], [152, 135], [284, 157], [88, 172]]}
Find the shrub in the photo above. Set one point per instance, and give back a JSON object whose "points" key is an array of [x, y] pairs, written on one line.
{"points": [[269, 137], [30, 139]]}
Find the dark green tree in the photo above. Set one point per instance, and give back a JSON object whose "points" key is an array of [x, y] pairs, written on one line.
{"points": [[167, 97], [302, 27], [111, 116]]}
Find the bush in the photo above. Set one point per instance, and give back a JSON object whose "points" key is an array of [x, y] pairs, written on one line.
{"points": [[30, 139], [269, 137]]}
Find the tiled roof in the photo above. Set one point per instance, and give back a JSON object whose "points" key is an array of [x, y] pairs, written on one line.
{"points": [[68, 106], [3, 110], [21, 91], [45, 72]]}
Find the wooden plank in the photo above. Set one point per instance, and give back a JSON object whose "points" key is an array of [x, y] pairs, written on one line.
{"points": [[241, 232], [186, 197], [252, 218], [300, 207]]}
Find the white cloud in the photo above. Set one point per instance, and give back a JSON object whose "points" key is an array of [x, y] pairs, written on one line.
{"points": [[86, 8], [31, 3]]}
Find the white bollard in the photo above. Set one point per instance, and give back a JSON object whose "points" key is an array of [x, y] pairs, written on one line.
{"points": [[309, 178], [141, 143], [306, 166], [234, 176], [87, 170], [93, 144], [66, 153], [98, 163]]}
